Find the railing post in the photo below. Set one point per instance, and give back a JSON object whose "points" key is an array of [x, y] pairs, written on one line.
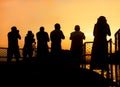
{"points": [[84, 59], [110, 65]]}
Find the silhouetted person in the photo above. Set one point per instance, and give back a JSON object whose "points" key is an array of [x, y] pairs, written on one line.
{"points": [[56, 37], [28, 45], [99, 57], [76, 49], [42, 44], [13, 47]]}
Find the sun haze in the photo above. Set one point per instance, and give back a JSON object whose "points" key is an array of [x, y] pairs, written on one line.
{"points": [[31, 14]]}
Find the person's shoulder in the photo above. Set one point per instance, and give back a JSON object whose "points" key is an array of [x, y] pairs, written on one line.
{"points": [[46, 32], [26, 37], [81, 32], [73, 32], [9, 33], [95, 24], [107, 24], [52, 31], [38, 32]]}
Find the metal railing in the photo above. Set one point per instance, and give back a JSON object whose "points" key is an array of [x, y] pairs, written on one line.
{"points": [[117, 40], [113, 72], [117, 52]]}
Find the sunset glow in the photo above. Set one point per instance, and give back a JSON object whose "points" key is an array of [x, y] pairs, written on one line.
{"points": [[31, 14]]}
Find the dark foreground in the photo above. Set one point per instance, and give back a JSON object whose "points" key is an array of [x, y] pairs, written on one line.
{"points": [[43, 75]]}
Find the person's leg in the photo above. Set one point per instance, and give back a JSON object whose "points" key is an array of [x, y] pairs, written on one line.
{"points": [[9, 55], [24, 55], [17, 55]]}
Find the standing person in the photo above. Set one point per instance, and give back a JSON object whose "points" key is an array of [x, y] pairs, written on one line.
{"points": [[13, 47], [56, 37], [99, 57], [76, 49], [28, 45], [42, 44]]}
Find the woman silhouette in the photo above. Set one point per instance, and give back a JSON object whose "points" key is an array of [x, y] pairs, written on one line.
{"points": [[99, 55]]}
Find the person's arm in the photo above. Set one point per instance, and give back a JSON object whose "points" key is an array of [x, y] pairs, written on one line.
{"points": [[70, 36], [48, 39], [62, 35], [19, 36], [94, 30], [108, 31], [51, 36], [84, 36], [37, 36]]}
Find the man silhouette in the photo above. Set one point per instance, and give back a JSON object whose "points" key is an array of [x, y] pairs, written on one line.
{"points": [[42, 44], [13, 48], [56, 37], [76, 49], [28, 45]]}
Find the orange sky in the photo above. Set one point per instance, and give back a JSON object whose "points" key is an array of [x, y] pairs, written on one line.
{"points": [[31, 14]]}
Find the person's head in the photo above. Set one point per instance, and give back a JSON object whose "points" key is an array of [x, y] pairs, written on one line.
{"points": [[102, 19], [57, 26], [41, 28], [14, 29], [77, 28], [29, 32]]}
